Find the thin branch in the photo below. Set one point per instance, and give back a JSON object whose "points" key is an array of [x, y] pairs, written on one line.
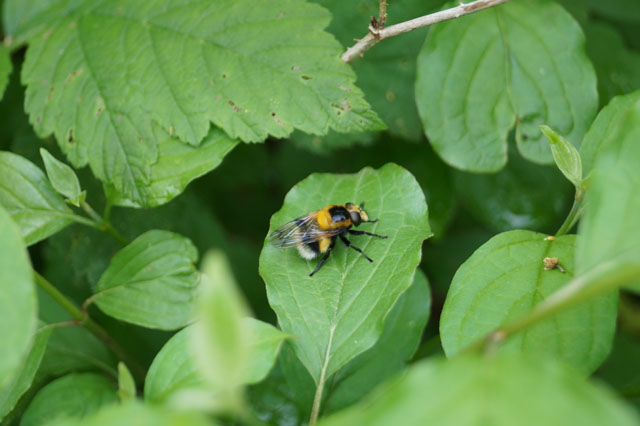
{"points": [[376, 34], [382, 15]]}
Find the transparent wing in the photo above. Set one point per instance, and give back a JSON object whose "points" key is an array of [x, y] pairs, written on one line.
{"points": [[303, 230]]}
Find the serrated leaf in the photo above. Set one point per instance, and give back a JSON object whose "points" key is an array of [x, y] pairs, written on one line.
{"points": [[177, 165], [126, 384], [18, 302], [5, 69], [151, 282], [62, 178], [480, 76], [75, 395], [500, 391], [565, 155], [30, 199], [403, 329], [11, 393], [609, 230], [504, 279], [339, 313]]}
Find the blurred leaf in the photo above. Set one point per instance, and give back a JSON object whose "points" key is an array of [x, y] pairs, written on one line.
{"points": [[5, 68], [11, 393], [504, 279], [565, 155], [75, 395], [18, 303], [619, 370], [30, 199], [522, 195], [126, 384], [151, 282], [623, 10], [264, 344], [609, 230], [401, 336], [325, 145], [339, 313], [500, 391], [62, 178], [480, 76]]}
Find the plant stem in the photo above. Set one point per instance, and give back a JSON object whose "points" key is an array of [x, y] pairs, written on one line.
{"points": [[83, 319], [572, 218], [382, 15], [377, 34], [103, 223]]}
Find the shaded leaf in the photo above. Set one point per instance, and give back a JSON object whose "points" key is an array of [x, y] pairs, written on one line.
{"points": [[18, 303], [126, 384], [75, 395], [151, 282], [481, 76], [30, 199], [565, 155], [339, 313], [62, 178], [501, 391], [5, 69], [504, 279]]}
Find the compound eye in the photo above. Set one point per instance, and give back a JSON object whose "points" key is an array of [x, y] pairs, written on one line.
{"points": [[355, 218]]}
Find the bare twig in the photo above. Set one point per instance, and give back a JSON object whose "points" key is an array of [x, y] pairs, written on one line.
{"points": [[382, 16], [377, 33]]}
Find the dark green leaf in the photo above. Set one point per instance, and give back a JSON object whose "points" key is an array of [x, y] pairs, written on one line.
{"points": [[18, 303], [75, 395], [126, 384], [519, 64], [339, 313], [498, 391], [151, 282], [5, 69], [62, 178], [565, 155], [30, 199], [504, 279]]}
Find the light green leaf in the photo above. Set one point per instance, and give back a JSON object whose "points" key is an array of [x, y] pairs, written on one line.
{"points": [[609, 230], [63, 178], [498, 391], [5, 68], [339, 312], [11, 393], [519, 64], [401, 336], [264, 344], [565, 155], [504, 279], [30, 199], [126, 384], [151, 282], [18, 303], [75, 395]]}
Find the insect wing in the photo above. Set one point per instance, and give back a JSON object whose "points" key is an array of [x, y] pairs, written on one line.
{"points": [[303, 230]]}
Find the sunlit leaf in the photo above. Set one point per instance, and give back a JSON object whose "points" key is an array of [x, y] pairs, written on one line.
{"points": [[126, 383]]}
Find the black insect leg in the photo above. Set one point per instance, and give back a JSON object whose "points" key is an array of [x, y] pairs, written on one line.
{"points": [[325, 257], [354, 232], [348, 244]]}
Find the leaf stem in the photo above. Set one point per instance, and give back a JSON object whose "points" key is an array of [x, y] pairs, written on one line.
{"points": [[83, 319], [103, 224], [572, 217], [317, 399], [377, 34]]}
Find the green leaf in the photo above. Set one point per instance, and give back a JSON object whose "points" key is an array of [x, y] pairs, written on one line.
{"points": [[30, 199], [18, 302], [126, 384], [75, 395], [151, 282], [519, 64], [63, 178], [565, 155], [498, 391], [401, 336], [178, 164], [11, 393], [504, 279], [609, 229], [264, 344], [339, 313], [5, 68]]}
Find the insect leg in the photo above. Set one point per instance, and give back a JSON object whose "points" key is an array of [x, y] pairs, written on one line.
{"points": [[324, 258], [348, 244], [354, 232]]}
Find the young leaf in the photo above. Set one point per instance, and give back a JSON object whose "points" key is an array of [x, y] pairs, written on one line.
{"points": [[151, 282], [339, 312], [566, 156], [75, 395], [126, 384], [30, 200], [519, 64], [5, 68], [504, 279], [18, 303], [63, 178], [499, 390], [11, 393], [264, 344]]}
